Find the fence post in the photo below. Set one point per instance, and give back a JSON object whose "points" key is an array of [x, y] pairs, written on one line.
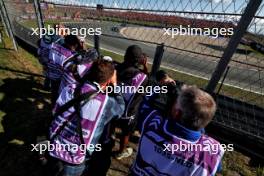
{"points": [[233, 43], [97, 44], [38, 14], [157, 59], [8, 23], [4, 22], [223, 80]]}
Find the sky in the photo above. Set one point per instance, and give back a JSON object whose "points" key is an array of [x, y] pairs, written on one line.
{"points": [[216, 6]]}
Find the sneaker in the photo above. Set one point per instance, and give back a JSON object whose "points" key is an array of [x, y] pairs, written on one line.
{"points": [[43, 160], [125, 154]]}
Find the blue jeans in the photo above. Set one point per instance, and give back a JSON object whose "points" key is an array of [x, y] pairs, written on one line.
{"points": [[72, 170], [58, 168]]}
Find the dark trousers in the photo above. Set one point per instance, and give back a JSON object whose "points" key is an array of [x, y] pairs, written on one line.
{"points": [[100, 161], [55, 85], [47, 84]]}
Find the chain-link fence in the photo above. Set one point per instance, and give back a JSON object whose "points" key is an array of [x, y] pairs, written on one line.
{"points": [[21, 12], [190, 57], [196, 55]]}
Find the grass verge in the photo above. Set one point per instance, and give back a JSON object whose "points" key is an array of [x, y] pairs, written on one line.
{"points": [[24, 110], [25, 113], [246, 96], [240, 94]]}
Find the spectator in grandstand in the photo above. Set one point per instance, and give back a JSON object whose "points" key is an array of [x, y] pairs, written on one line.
{"points": [[129, 74], [82, 123], [174, 144], [44, 46], [58, 56]]}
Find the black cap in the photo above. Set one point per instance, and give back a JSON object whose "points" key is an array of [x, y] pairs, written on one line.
{"points": [[160, 75], [133, 54], [71, 40]]}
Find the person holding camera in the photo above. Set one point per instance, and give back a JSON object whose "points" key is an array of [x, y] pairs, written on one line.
{"points": [[160, 150], [80, 118], [130, 74], [76, 67], [58, 55]]}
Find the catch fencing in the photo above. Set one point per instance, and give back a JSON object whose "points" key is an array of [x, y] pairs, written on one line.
{"points": [[192, 58]]}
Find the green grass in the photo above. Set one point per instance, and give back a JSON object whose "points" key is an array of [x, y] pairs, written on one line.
{"points": [[243, 95], [25, 114], [260, 171], [233, 162], [237, 93], [24, 110], [33, 23]]}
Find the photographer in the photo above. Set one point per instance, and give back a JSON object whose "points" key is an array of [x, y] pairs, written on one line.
{"points": [[58, 55], [162, 101], [130, 74], [83, 123], [44, 47], [161, 136], [76, 67]]}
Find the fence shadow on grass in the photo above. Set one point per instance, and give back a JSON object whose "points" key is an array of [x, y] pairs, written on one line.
{"points": [[20, 72], [26, 115]]}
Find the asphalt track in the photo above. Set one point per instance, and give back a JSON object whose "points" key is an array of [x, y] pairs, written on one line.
{"points": [[248, 79]]}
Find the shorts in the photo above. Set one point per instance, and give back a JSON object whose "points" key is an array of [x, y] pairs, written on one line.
{"points": [[127, 125]]}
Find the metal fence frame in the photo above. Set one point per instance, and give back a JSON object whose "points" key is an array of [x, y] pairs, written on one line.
{"points": [[225, 104]]}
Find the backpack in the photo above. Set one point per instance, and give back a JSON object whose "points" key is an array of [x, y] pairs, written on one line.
{"points": [[44, 157]]}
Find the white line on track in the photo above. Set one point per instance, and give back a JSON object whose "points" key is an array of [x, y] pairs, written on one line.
{"points": [[190, 74]]}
